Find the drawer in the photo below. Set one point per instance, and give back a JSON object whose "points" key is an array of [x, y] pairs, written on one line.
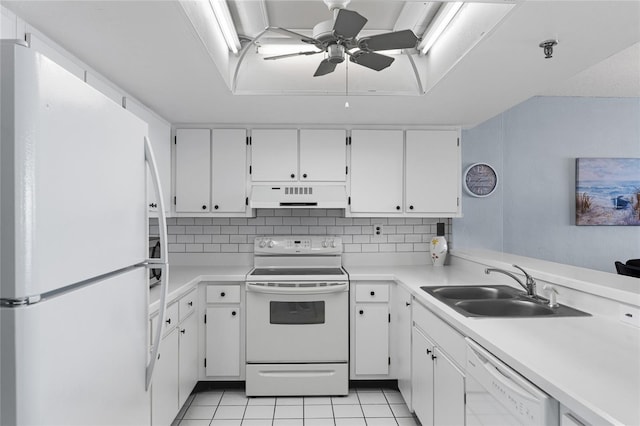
{"points": [[171, 320], [223, 293], [372, 293], [443, 335], [187, 304]]}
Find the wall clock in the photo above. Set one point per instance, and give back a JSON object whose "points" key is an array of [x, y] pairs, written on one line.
{"points": [[480, 180]]}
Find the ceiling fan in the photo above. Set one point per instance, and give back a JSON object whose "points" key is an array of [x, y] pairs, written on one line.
{"points": [[338, 37]]}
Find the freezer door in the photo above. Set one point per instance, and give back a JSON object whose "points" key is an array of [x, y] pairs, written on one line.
{"points": [[79, 358], [73, 182]]}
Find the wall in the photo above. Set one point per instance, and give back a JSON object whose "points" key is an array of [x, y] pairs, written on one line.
{"points": [[235, 235], [534, 146]]}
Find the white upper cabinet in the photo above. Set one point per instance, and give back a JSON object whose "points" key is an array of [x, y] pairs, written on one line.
{"points": [[376, 171], [432, 172], [229, 174], [193, 170], [323, 155], [274, 155]]}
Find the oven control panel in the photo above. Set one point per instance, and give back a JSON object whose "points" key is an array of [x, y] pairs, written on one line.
{"points": [[311, 244]]}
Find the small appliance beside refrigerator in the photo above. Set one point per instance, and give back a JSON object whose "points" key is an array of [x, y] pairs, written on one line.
{"points": [[73, 313]]}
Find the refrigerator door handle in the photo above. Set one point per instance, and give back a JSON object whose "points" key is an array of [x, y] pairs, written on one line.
{"points": [[163, 262]]}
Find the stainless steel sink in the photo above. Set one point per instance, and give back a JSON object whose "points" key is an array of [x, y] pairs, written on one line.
{"points": [[475, 292], [497, 301]]}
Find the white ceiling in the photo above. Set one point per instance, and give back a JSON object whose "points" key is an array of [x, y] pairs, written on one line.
{"points": [[152, 51]]}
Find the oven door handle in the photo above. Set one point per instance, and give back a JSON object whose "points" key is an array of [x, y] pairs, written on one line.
{"points": [[274, 289]]}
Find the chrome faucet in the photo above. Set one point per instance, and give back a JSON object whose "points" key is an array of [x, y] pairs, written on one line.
{"points": [[530, 285]]}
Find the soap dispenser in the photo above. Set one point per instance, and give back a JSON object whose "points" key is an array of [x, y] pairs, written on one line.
{"points": [[439, 246]]}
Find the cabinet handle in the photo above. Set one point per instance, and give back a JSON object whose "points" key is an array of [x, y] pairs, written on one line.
{"points": [[373, 293], [410, 207], [428, 351], [233, 313], [190, 303], [407, 304], [168, 321], [292, 175], [304, 175], [182, 331], [154, 205], [397, 207], [222, 294], [361, 312], [204, 207], [215, 207]]}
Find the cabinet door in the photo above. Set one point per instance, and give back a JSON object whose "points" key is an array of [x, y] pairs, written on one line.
{"points": [[401, 341], [164, 388], [193, 170], [432, 171], [422, 378], [323, 155], [372, 339], [229, 174], [448, 398], [188, 365], [376, 171], [274, 155], [223, 341]]}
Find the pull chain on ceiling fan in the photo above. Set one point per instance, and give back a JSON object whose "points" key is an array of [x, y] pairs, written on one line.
{"points": [[338, 37]]}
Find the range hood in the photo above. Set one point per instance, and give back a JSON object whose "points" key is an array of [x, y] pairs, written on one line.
{"points": [[298, 196]]}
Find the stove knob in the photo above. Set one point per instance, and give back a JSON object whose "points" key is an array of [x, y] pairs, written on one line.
{"points": [[325, 244], [271, 244], [333, 244], [263, 244]]}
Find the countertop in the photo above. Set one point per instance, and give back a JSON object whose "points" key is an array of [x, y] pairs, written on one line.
{"points": [[589, 364]]}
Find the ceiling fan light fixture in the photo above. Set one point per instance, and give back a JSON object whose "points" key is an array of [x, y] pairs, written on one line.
{"points": [[225, 23], [439, 24]]}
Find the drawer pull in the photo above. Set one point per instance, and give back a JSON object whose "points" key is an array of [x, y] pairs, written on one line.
{"points": [[373, 293], [223, 294], [361, 312], [233, 313]]}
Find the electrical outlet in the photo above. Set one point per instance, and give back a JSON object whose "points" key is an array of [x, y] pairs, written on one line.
{"points": [[378, 233]]}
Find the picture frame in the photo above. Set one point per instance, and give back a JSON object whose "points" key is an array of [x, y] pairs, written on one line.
{"points": [[608, 191]]}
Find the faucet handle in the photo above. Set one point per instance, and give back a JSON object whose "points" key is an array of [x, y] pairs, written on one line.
{"points": [[552, 295], [529, 278]]}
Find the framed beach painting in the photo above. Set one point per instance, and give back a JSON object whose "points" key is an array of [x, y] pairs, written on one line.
{"points": [[608, 191]]}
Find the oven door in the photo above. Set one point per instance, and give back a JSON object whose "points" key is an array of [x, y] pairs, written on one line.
{"points": [[297, 323]]}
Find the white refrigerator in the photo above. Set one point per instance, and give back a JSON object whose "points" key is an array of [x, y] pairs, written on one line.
{"points": [[73, 231]]}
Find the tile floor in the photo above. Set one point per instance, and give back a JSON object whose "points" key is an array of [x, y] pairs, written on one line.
{"points": [[362, 407]]}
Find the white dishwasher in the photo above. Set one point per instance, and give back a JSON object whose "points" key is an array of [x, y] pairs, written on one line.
{"points": [[496, 395]]}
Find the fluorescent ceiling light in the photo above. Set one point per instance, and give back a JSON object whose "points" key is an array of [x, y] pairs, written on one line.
{"points": [[223, 16], [440, 23]]}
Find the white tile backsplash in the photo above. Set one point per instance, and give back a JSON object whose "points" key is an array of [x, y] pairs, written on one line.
{"points": [[235, 235]]}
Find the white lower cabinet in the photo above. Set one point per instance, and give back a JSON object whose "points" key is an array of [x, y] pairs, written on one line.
{"points": [[400, 338], [438, 384], [224, 354], [370, 330], [176, 371], [164, 389]]}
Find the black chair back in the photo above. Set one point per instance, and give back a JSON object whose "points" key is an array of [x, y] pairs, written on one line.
{"points": [[632, 271], [633, 262]]}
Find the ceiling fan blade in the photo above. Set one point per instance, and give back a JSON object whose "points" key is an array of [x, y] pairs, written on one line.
{"points": [[348, 23], [374, 61], [325, 67], [404, 39], [293, 34], [289, 55]]}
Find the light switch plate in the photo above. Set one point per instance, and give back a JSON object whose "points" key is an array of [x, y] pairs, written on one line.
{"points": [[630, 315]]}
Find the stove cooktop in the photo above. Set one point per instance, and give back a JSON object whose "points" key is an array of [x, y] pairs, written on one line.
{"points": [[296, 271]]}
